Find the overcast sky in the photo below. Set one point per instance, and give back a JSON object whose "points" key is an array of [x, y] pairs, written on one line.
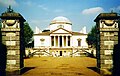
{"points": [[80, 12]]}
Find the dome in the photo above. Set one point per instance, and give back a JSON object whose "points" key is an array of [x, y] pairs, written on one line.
{"points": [[60, 20]]}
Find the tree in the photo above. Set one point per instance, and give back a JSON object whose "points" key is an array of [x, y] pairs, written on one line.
{"points": [[0, 33], [92, 37], [28, 34]]}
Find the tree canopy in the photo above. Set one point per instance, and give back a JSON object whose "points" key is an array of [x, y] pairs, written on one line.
{"points": [[28, 34], [0, 33], [92, 37]]}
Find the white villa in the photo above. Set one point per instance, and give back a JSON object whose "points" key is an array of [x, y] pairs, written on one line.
{"points": [[60, 40]]}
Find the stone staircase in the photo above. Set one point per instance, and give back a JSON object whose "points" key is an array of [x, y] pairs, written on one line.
{"points": [[79, 52], [40, 53]]}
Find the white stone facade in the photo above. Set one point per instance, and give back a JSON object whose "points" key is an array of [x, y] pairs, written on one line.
{"points": [[60, 40]]}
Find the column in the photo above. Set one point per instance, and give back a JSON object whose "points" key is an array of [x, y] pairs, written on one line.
{"points": [[58, 41], [51, 41], [55, 41], [62, 41], [66, 41]]}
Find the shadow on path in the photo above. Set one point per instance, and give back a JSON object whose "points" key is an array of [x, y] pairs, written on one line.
{"points": [[25, 69], [93, 68]]}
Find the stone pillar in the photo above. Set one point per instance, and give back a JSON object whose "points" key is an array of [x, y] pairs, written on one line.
{"points": [[107, 40], [12, 39], [50, 41]]}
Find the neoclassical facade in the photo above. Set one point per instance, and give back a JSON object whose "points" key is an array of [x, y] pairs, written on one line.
{"points": [[60, 40]]}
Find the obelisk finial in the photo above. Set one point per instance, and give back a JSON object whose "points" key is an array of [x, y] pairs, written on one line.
{"points": [[9, 9]]}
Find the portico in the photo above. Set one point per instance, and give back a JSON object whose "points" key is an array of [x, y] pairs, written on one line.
{"points": [[60, 41]]}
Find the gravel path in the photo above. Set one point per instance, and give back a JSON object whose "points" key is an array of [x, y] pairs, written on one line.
{"points": [[60, 66]]}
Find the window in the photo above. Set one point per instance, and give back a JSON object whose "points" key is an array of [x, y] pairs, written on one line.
{"points": [[79, 42]]}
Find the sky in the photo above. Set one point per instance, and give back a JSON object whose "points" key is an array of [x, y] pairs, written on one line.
{"points": [[80, 12]]}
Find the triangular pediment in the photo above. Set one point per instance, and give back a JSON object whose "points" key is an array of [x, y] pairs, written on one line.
{"points": [[60, 30]]}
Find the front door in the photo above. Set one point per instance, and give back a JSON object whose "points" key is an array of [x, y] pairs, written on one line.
{"points": [[60, 53]]}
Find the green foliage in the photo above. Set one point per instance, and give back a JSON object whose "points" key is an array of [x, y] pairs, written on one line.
{"points": [[28, 34], [0, 32], [92, 37], [0, 25]]}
